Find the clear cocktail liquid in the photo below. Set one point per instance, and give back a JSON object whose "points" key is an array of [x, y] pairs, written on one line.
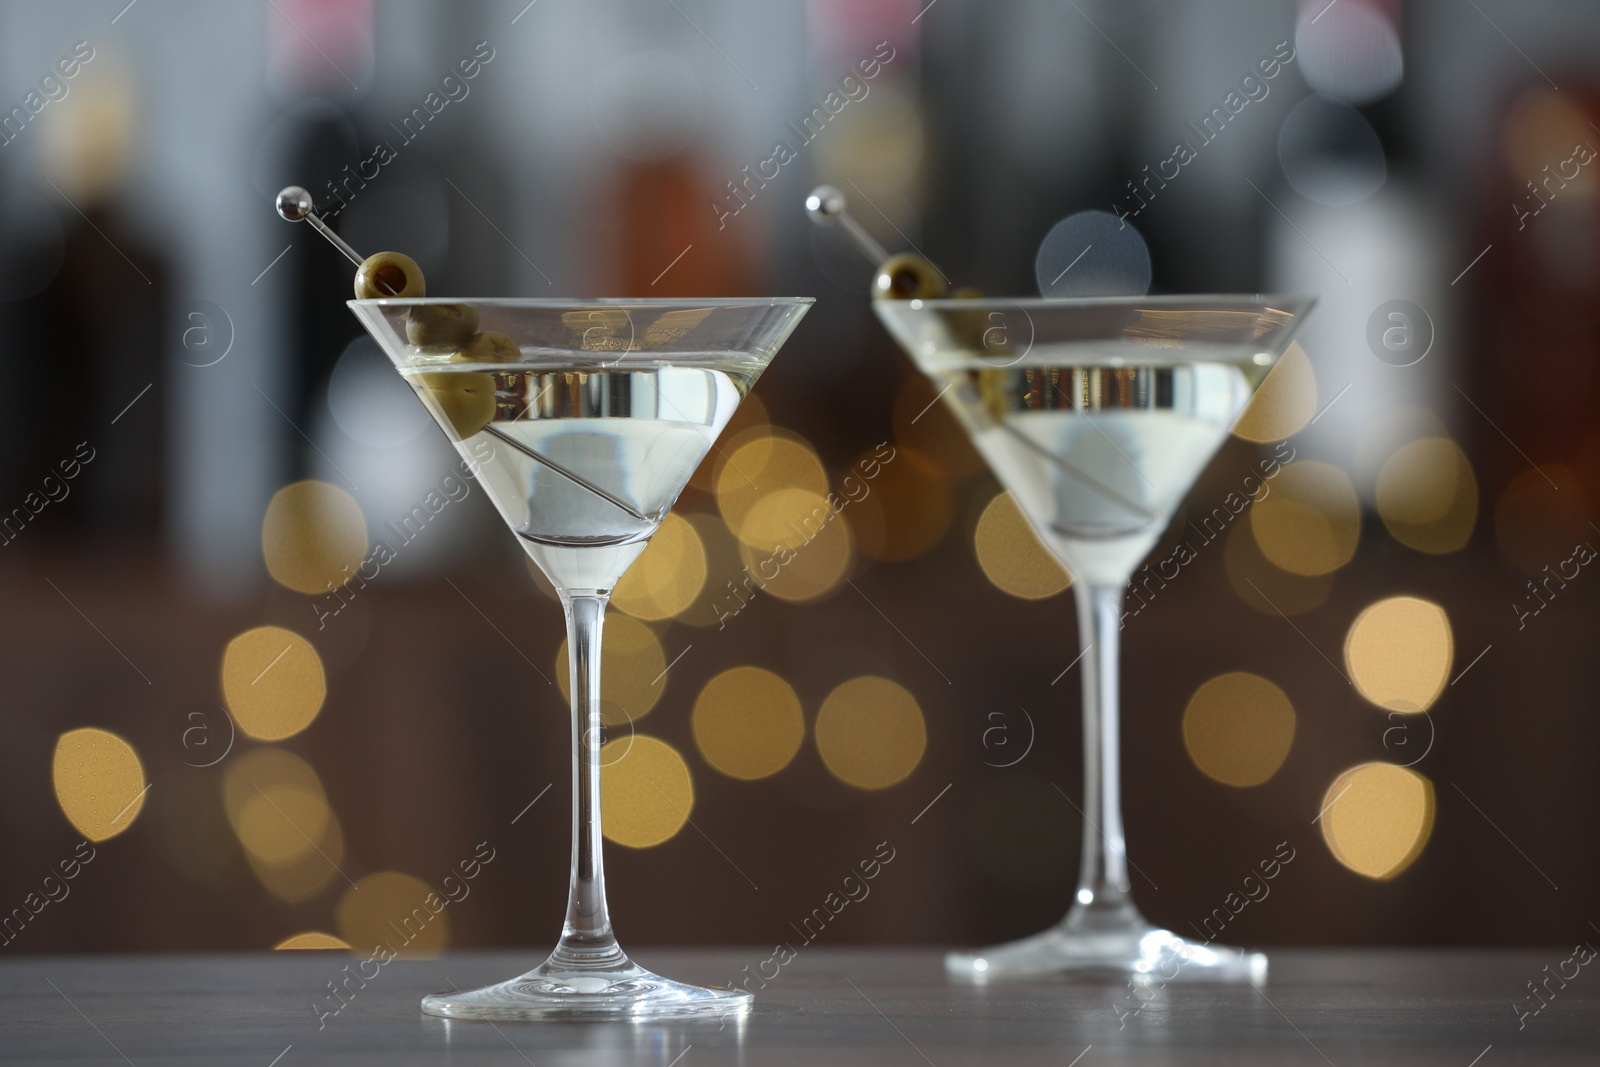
{"points": [[584, 464]]}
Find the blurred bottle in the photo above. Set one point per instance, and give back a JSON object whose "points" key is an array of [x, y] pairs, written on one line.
{"points": [[85, 349], [1366, 238], [1540, 322]]}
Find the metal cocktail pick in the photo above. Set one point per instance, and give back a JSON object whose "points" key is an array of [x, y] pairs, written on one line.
{"points": [[907, 276], [296, 205], [826, 207]]}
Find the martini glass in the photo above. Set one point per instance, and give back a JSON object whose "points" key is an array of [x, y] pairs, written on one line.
{"points": [[1098, 415], [583, 436]]}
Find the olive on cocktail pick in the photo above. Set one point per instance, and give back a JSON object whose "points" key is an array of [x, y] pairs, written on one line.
{"points": [[465, 399], [389, 274], [468, 399], [441, 328], [907, 277], [488, 347]]}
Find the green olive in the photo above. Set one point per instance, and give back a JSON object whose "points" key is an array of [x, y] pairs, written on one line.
{"points": [[389, 274], [488, 347], [442, 327], [907, 277], [969, 326], [464, 399]]}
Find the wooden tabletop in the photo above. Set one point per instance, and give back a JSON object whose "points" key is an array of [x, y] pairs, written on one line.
{"points": [[828, 1006]]}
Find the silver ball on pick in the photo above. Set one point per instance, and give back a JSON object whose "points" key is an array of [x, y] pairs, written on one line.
{"points": [[294, 203], [825, 204]]}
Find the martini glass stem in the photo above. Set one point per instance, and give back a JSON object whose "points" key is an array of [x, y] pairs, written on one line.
{"points": [[586, 939], [1103, 898]]}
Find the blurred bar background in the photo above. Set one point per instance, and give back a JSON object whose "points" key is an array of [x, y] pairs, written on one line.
{"points": [[201, 447]]}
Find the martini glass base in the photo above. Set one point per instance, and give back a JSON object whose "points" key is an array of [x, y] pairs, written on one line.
{"points": [[620, 993], [1091, 943]]}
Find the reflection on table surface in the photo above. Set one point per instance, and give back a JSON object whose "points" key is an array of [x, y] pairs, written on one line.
{"points": [[842, 1007]]}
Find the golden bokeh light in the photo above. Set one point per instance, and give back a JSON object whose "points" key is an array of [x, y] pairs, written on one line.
{"points": [[1011, 554], [313, 537], [99, 782], [764, 464], [308, 875], [1285, 402], [395, 910], [1428, 496], [1238, 728], [724, 564], [646, 793], [784, 518], [305, 878], [1264, 587], [273, 682], [1536, 524], [749, 420], [870, 733], [279, 812], [1398, 653], [313, 940], [280, 824], [748, 723], [667, 576], [1376, 818], [907, 509], [1310, 522], [265, 768], [632, 670], [814, 566]]}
